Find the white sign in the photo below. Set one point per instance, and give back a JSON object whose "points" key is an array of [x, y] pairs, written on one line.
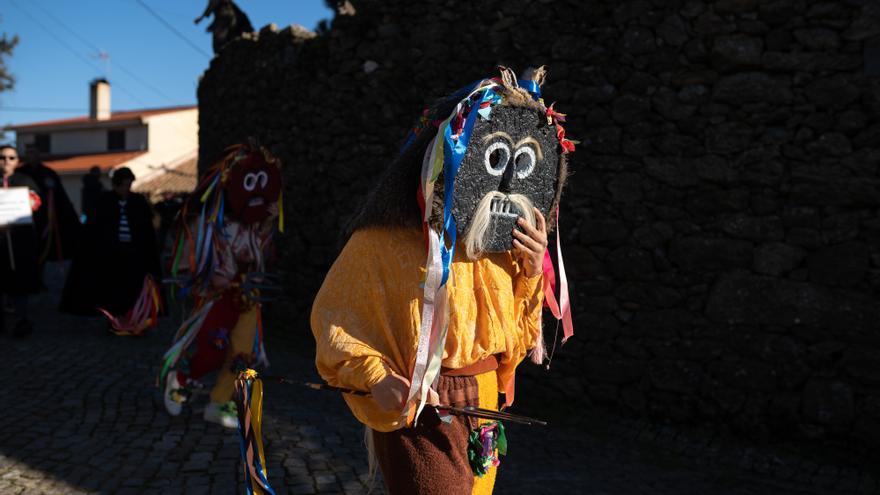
{"points": [[15, 206]]}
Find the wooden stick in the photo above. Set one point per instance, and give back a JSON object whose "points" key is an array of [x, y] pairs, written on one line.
{"points": [[490, 414], [471, 411], [9, 245]]}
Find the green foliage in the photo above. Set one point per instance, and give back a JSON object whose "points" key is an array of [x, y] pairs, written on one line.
{"points": [[7, 43]]}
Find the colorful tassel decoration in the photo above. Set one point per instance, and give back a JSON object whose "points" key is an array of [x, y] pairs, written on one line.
{"points": [[184, 337], [249, 401], [143, 315], [485, 444]]}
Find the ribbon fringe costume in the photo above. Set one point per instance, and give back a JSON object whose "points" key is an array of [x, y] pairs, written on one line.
{"points": [[461, 321], [223, 243]]}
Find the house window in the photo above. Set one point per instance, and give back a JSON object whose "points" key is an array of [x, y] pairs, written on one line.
{"points": [[116, 140], [42, 142]]}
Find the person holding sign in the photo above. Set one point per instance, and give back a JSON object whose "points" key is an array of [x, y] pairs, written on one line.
{"points": [[19, 270]]}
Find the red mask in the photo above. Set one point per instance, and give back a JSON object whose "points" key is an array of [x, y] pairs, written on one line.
{"points": [[251, 186]]}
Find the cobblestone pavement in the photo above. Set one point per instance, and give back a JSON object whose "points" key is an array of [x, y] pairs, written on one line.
{"points": [[82, 416]]}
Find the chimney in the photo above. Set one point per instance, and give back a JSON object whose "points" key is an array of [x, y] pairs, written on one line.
{"points": [[99, 99]]}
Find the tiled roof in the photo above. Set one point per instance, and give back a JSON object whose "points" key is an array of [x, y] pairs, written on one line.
{"points": [[81, 163], [114, 117], [179, 179]]}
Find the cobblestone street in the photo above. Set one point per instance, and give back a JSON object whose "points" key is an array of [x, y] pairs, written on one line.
{"points": [[82, 416]]}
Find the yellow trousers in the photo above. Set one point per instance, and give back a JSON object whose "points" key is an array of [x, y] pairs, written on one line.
{"points": [[241, 342], [488, 386]]}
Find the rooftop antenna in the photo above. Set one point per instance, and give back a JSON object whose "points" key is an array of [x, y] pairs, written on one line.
{"points": [[103, 56]]}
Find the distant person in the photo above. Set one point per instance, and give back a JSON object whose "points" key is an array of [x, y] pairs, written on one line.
{"points": [[56, 222], [117, 251], [228, 23], [19, 270], [167, 209], [92, 189]]}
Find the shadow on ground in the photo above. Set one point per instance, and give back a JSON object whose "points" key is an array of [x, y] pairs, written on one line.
{"points": [[82, 416]]}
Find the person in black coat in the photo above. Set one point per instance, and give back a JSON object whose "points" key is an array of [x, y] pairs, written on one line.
{"points": [[117, 251], [92, 189], [19, 270], [56, 221]]}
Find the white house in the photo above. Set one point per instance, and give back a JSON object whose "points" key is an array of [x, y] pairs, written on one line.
{"points": [[151, 142]]}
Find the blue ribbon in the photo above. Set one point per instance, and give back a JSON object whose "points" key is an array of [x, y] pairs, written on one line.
{"points": [[200, 236], [530, 86], [453, 153], [242, 444], [252, 441], [220, 213], [458, 95], [409, 141]]}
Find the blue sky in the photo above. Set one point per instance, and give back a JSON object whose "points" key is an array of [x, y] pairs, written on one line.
{"points": [[149, 65]]}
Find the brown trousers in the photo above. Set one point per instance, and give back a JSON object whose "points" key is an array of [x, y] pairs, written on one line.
{"points": [[431, 458]]}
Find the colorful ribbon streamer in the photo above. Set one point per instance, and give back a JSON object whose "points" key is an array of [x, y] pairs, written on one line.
{"points": [[184, 337], [561, 310], [249, 402], [143, 315], [445, 154]]}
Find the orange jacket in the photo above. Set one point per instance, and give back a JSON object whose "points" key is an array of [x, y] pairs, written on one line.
{"points": [[366, 316]]}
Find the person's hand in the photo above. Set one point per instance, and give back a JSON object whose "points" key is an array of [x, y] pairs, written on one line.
{"points": [[531, 243], [35, 200], [433, 398], [391, 392]]}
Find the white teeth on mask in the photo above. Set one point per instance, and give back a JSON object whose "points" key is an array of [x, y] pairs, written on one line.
{"points": [[502, 207]]}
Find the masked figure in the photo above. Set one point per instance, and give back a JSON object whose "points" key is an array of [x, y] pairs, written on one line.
{"points": [[437, 295], [223, 243]]}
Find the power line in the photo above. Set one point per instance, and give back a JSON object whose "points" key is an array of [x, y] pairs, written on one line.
{"points": [[84, 60], [172, 28], [70, 49], [56, 38], [94, 47], [41, 109]]}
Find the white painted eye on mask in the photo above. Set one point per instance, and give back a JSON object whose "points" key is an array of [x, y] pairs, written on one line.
{"points": [[263, 178], [496, 157], [524, 162], [250, 182]]}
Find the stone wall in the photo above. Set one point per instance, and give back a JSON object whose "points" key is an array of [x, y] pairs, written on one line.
{"points": [[721, 223]]}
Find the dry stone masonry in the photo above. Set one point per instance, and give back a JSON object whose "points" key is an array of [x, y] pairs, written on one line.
{"points": [[721, 224]]}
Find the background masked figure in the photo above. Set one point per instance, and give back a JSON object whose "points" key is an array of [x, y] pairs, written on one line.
{"points": [[223, 242], [471, 189], [116, 253]]}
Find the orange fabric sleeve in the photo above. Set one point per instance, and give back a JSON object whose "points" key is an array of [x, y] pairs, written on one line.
{"points": [[528, 299], [355, 321]]}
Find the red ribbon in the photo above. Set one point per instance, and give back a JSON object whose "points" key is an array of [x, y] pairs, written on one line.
{"points": [[556, 117], [562, 309]]}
